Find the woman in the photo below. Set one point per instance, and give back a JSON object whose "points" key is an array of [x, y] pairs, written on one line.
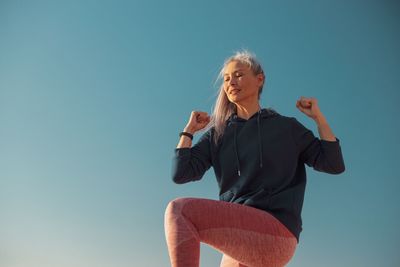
{"points": [[258, 158]]}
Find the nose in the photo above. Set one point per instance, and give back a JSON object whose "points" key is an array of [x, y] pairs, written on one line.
{"points": [[232, 80]]}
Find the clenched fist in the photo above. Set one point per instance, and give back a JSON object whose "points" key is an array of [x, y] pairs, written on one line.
{"points": [[197, 121], [309, 106]]}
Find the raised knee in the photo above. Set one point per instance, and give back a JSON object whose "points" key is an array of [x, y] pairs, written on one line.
{"points": [[174, 207]]}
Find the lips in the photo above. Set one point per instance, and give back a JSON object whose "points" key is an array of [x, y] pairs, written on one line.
{"points": [[234, 91]]}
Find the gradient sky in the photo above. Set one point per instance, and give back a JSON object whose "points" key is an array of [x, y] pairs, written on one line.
{"points": [[93, 95]]}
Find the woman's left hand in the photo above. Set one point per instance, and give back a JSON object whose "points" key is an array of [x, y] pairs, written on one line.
{"points": [[309, 106]]}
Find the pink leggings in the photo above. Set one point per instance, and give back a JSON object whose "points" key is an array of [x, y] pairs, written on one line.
{"points": [[245, 235]]}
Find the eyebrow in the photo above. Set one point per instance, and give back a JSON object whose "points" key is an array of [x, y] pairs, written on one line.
{"points": [[234, 71]]}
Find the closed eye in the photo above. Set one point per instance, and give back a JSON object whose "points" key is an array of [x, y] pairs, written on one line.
{"points": [[236, 74]]}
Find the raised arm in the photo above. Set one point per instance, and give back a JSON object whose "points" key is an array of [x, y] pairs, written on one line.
{"points": [[325, 154], [190, 163]]}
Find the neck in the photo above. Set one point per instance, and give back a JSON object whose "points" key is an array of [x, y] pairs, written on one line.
{"points": [[246, 111]]}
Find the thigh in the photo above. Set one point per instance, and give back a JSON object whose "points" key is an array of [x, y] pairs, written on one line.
{"points": [[208, 214], [248, 235]]}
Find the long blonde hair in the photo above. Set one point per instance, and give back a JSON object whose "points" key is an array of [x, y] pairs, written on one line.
{"points": [[223, 108]]}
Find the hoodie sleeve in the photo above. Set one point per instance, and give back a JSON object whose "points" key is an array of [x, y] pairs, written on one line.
{"points": [[322, 155], [190, 164]]}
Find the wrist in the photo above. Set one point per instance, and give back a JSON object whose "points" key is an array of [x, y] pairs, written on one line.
{"points": [[189, 130], [320, 119], [189, 135]]}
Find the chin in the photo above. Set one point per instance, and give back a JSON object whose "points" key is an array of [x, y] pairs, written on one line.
{"points": [[234, 99]]}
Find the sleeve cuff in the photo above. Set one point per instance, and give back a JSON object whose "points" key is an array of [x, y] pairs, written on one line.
{"points": [[330, 144], [183, 151]]}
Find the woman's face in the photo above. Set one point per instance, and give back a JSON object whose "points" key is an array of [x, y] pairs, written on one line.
{"points": [[240, 83]]}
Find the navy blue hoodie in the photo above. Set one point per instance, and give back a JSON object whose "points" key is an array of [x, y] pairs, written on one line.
{"points": [[259, 162]]}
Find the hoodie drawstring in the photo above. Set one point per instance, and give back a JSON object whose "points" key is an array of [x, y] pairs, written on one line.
{"points": [[236, 150], [259, 139], [259, 143]]}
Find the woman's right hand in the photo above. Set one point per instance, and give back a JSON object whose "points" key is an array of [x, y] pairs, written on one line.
{"points": [[198, 120]]}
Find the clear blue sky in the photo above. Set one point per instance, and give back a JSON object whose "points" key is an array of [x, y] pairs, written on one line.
{"points": [[93, 95]]}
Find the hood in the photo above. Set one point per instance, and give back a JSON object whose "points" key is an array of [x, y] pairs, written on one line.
{"points": [[234, 119]]}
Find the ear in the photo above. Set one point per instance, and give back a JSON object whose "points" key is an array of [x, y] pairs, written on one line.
{"points": [[261, 79]]}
